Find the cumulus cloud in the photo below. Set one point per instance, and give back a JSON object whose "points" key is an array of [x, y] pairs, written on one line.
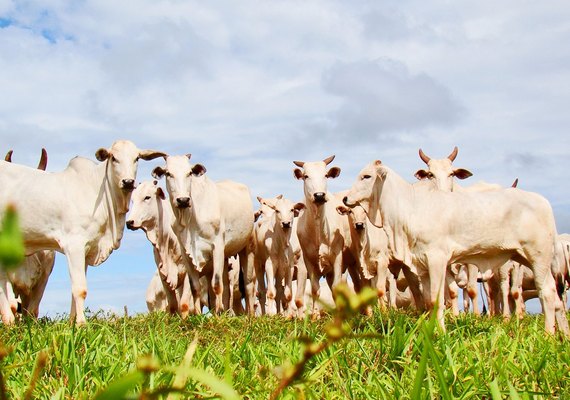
{"points": [[382, 97]]}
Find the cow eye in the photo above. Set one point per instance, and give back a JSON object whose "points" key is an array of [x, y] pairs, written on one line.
{"points": [[168, 174], [113, 159], [305, 176], [430, 175], [366, 176], [147, 198]]}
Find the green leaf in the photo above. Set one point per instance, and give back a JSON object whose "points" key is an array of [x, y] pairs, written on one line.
{"points": [[12, 250], [119, 388], [215, 384]]}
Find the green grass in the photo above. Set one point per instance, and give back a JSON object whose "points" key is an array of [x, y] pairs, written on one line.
{"points": [[394, 355]]}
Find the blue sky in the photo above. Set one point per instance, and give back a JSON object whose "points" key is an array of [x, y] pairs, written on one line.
{"points": [[249, 86]]}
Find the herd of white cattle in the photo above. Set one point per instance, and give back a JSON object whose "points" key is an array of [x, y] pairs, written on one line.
{"points": [[416, 244]]}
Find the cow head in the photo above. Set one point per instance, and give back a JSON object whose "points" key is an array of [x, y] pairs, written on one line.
{"points": [[179, 173], [366, 191], [284, 211], [146, 202], [356, 217], [265, 206], [122, 160], [441, 171], [314, 176]]}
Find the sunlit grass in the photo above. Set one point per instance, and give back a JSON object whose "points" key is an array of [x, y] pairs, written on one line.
{"points": [[396, 355]]}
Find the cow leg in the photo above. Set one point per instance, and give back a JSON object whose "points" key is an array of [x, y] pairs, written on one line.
{"points": [[414, 285], [288, 281], [472, 272], [516, 289], [437, 274], [315, 292], [392, 290], [246, 262], [381, 279], [186, 300], [171, 301], [453, 291], [8, 317], [227, 288], [261, 287], [301, 285], [77, 274], [271, 291], [505, 286], [551, 303], [32, 306]]}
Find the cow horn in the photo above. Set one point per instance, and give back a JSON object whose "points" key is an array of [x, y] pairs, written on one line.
{"points": [[9, 156], [515, 183], [299, 163], [328, 160], [423, 156], [43, 160], [453, 154]]}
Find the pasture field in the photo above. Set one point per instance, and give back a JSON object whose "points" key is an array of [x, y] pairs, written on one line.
{"points": [[391, 355]]}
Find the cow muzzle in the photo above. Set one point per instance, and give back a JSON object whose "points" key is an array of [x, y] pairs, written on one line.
{"points": [[359, 226], [131, 225], [183, 202], [320, 197], [286, 225], [128, 185]]}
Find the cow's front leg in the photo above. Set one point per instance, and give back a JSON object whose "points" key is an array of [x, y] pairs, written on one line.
{"points": [[77, 274]]}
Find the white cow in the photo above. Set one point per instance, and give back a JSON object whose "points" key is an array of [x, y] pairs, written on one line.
{"points": [[277, 247], [152, 212], [79, 211], [323, 233], [433, 229], [442, 174], [29, 280], [213, 221]]}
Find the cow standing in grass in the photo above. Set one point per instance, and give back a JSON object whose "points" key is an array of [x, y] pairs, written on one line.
{"points": [[214, 220], [79, 211], [433, 229]]}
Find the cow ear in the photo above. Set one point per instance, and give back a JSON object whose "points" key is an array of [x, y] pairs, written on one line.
{"points": [[259, 199], [256, 215], [158, 172], [279, 197], [151, 154], [421, 174], [102, 154], [342, 210], [298, 173], [198, 170], [461, 173], [160, 193], [333, 172], [297, 208]]}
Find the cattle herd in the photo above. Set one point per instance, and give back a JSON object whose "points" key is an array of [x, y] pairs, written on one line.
{"points": [[416, 244]]}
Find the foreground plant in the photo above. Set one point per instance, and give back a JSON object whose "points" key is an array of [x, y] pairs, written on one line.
{"points": [[347, 305]]}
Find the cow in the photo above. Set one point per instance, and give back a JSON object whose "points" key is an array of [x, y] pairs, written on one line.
{"points": [[277, 247], [79, 211], [214, 220], [152, 212], [433, 229], [442, 173], [370, 243], [323, 233], [29, 280]]}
